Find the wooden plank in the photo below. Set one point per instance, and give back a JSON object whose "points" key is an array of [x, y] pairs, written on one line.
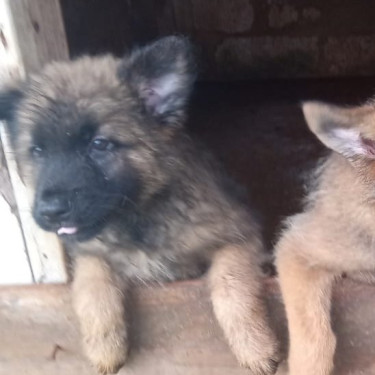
{"points": [[173, 331], [39, 31], [14, 262], [44, 249], [32, 34], [9, 54]]}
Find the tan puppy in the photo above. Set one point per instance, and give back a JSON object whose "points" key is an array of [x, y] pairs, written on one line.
{"points": [[334, 235]]}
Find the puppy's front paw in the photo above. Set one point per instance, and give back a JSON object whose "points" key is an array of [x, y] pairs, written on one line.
{"points": [[108, 351], [98, 303], [266, 366], [259, 353]]}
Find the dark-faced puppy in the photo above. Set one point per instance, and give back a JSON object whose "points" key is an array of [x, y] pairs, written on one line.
{"points": [[133, 198]]}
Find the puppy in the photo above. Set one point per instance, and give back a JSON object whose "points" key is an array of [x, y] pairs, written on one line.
{"points": [[134, 199], [335, 233]]}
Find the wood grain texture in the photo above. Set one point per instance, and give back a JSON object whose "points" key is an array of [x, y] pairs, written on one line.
{"points": [[39, 31], [44, 250], [14, 265], [32, 34], [173, 331]]}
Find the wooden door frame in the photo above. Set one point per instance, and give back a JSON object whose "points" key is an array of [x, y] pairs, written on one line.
{"points": [[32, 34]]}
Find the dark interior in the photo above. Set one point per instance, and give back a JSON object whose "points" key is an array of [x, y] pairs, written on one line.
{"points": [[258, 131]]}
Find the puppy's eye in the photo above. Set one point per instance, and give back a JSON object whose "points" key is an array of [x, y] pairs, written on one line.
{"points": [[102, 144], [36, 151]]}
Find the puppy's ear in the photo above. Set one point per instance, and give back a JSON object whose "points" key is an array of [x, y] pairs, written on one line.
{"points": [[161, 75], [339, 128], [9, 99]]}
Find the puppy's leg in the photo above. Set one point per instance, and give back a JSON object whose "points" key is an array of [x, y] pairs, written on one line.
{"points": [[236, 293], [306, 292], [98, 302]]}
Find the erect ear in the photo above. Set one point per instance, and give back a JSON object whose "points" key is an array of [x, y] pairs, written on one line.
{"points": [[9, 99], [339, 128], [161, 75]]}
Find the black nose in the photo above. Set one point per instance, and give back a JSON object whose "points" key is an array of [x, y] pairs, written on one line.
{"points": [[54, 206]]}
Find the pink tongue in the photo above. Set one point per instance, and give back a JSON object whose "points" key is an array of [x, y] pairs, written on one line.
{"points": [[67, 230]]}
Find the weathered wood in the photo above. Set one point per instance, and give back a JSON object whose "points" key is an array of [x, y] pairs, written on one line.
{"points": [[44, 250], [14, 263], [173, 331], [31, 34], [39, 31]]}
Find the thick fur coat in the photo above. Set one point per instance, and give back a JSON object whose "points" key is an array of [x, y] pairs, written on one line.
{"points": [[334, 235], [134, 198]]}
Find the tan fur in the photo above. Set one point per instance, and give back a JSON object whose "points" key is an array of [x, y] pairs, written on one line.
{"points": [[334, 235], [307, 296], [182, 213], [237, 301], [98, 302]]}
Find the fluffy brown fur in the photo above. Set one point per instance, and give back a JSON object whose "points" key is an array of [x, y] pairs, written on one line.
{"points": [[134, 198], [334, 235]]}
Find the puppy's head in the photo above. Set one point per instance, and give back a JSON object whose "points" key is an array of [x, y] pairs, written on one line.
{"points": [[92, 135]]}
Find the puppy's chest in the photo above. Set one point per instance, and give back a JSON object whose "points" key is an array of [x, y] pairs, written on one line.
{"points": [[353, 237], [140, 266], [164, 252]]}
